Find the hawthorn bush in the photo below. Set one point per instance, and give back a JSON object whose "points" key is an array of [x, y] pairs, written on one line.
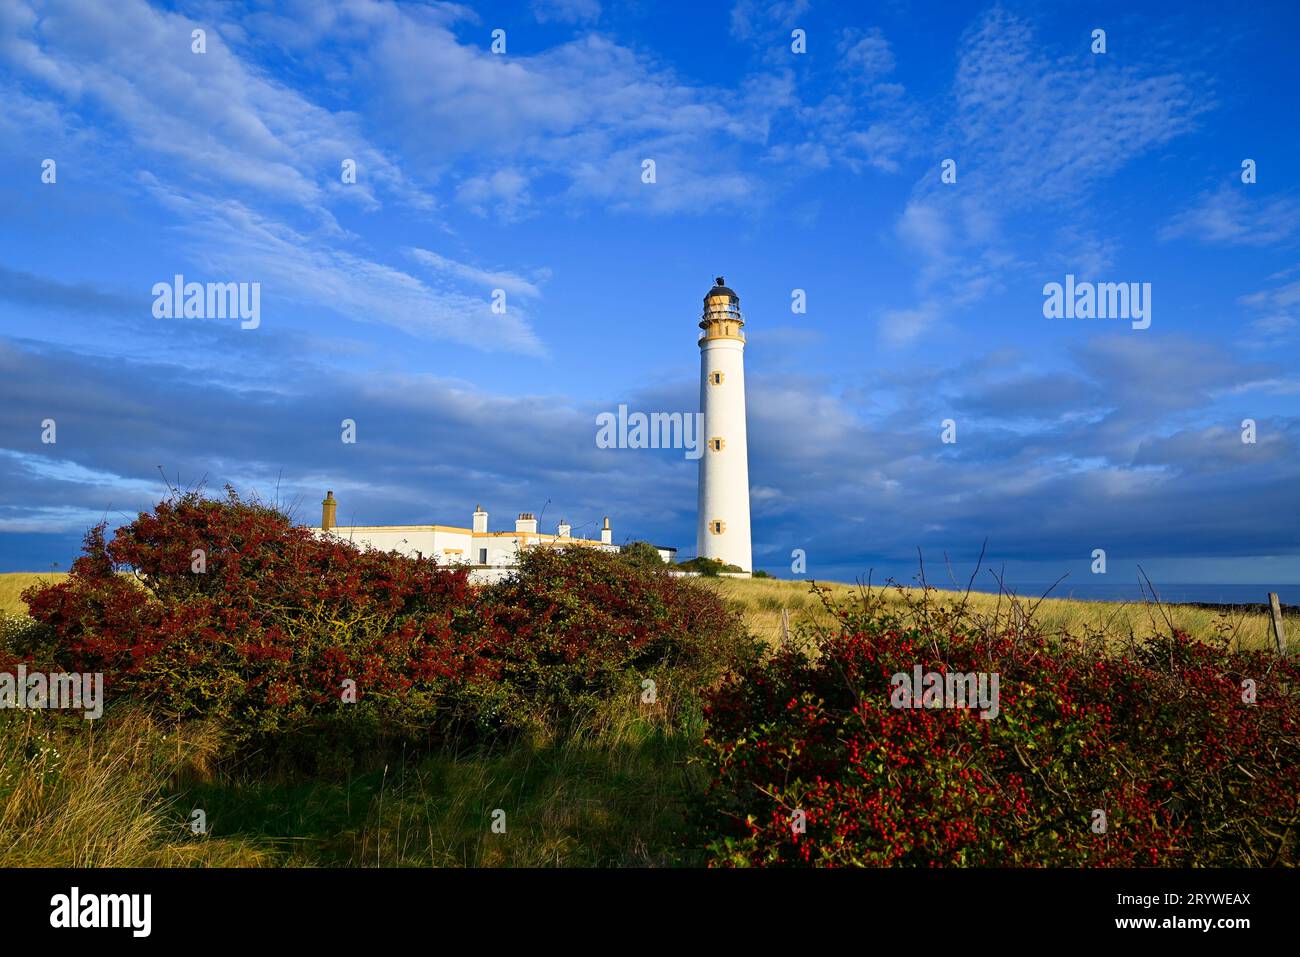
{"points": [[576, 625], [641, 553], [225, 609], [708, 567], [231, 611], [1157, 736]]}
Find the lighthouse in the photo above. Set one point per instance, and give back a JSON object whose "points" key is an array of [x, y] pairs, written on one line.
{"points": [[723, 523]]}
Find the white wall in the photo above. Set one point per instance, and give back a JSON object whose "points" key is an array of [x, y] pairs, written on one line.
{"points": [[432, 542], [429, 541], [724, 476], [408, 541]]}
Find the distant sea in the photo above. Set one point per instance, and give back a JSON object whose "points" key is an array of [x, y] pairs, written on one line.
{"points": [[1170, 594]]}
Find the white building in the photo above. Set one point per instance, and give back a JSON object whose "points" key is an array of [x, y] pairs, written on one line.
{"points": [[723, 521], [489, 555]]}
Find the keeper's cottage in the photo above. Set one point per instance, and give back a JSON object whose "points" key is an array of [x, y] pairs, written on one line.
{"points": [[489, 555]]}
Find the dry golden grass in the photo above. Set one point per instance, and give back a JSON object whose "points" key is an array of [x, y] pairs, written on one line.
{"points": [[93, 795], [12, 585], [762, 599], [118, 792]]}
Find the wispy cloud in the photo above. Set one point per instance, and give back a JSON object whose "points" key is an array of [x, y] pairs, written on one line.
{"points": [[1276, 311], [1236, 215], [566, 11], [483, 278], [571, 124], [867, 56], [248, 169], [1034, 128], [754, 17], [211, 114], [233, 239], [1028, 131]]}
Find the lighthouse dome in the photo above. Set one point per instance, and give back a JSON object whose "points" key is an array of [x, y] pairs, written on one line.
{"points": [[720, 289]]}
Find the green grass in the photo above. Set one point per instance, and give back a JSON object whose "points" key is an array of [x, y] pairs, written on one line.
{"points": [[577, 804], [120, 792]]}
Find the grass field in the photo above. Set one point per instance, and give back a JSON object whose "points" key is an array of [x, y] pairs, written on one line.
{"points": [[122, 792], [12, 585], [761, 600]]}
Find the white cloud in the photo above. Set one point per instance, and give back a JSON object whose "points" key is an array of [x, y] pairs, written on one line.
{"points": [[1028, 132], [503, 192], [1277, 311], [1033, 129], [900, 327], [51, 469], [566, 11], [1236, 215], [577, 118], [483, 278], [237, 241], [751, 17], [212, 114], [866, 54]]}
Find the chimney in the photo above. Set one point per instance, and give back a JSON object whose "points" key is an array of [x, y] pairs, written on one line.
{"points": [[526, 524], [480, 520], [566, 529], [606, 536], [328, 511]]}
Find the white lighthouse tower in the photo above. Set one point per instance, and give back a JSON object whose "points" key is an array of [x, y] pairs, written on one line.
{"points": [[723, 524]]}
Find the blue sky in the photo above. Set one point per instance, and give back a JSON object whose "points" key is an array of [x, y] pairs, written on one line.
{"points": [[522, 171]]}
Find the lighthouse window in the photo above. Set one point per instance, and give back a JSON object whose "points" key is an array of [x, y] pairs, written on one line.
{"points": [[716, 444], [716, 378], [717, 527]]}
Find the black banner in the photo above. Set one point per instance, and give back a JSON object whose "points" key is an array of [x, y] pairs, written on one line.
{"points": [[346, 908]]}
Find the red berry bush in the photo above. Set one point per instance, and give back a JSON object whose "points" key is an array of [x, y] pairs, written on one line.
{"points": [[1139, 756], [576, 625], [226, 609]]}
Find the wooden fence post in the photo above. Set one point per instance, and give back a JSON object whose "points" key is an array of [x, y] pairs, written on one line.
{"points": [[1279, 634], [785, 625]]}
